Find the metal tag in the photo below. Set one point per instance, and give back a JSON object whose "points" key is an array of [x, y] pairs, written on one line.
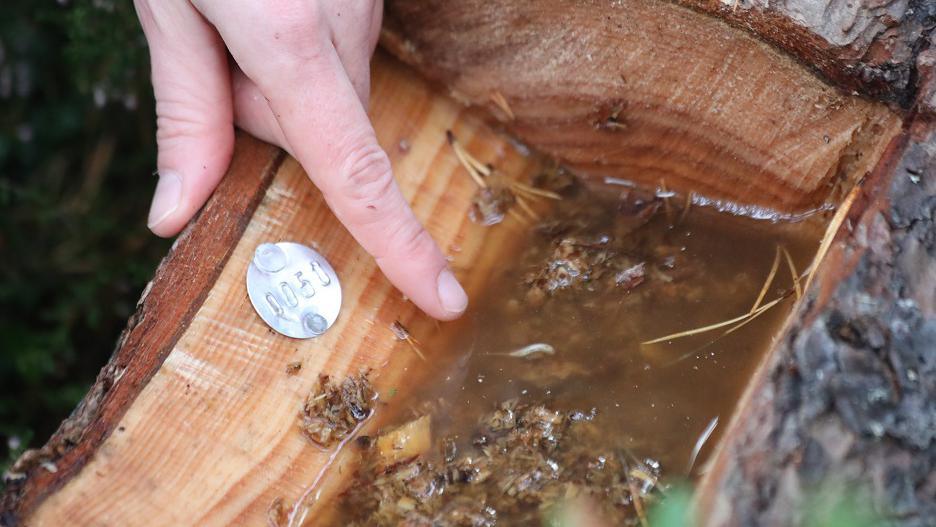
{"points": [[293, 289]]}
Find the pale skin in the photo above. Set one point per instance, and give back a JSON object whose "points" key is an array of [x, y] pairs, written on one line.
{"points": [[298, 77]]}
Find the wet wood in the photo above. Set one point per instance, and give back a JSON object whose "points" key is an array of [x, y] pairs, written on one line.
{"points": [[199, 421], [648, 91]]}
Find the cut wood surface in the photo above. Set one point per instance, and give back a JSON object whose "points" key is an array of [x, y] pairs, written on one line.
{"points": [[212, 438], [648, 91]]}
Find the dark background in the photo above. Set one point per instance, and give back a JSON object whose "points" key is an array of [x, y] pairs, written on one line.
{"points": [[77, 154]]}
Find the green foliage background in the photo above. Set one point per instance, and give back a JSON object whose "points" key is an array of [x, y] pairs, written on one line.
{"points": [[76, 159]]}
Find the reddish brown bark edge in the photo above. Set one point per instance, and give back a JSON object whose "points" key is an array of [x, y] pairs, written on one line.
{"points": [[847, 403], [164, 311]]}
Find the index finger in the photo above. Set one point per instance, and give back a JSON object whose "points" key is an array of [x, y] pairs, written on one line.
{"points": [[329, 132]]}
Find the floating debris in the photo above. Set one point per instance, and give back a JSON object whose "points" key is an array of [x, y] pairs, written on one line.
{"points": [[578, 262], [497, 194], [531, 351], [756, 310], [794, 276], [768, 281], [700, 442], [276, 514], [401, 333], [332, 412]]}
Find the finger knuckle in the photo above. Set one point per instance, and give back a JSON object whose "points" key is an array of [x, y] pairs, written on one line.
{"points": [[296, 28], [366, 176], [410, 238]]}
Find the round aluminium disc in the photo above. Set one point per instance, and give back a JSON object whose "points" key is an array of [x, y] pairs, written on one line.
{"points": [[294, 289]]}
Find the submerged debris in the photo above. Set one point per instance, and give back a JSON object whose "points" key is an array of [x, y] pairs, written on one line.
{"points": [[523, 459], [700, 442], [578, 262], [405, 442], [560, 330], [332, 412], [401, 333], [533, 350], [497, 194], [276, 514], [490, 205]]}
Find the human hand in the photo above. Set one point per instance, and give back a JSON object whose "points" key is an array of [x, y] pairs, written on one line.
{"points": [[300, 79]]}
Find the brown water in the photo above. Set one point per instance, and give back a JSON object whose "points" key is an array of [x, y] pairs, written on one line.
{"points": [[654, 401]]}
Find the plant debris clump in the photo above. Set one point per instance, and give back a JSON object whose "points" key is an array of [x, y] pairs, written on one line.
{"points": [[580, 262], [522, 462], [332, 412], [490, 204], [497, 193]]}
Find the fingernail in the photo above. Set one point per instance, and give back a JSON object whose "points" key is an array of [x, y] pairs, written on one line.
{"points": [[451, 294], [165, 198]]}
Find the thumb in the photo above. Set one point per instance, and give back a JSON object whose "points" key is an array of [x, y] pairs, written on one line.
{"points": [[194, 114]]}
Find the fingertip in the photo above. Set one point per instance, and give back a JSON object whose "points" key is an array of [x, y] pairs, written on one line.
{"points": [[452, 297], [165, 203]]}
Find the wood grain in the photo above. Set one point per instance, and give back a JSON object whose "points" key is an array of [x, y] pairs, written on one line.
{"points": [[699, 104], [168, 303], [867, 46], [221, 408]]}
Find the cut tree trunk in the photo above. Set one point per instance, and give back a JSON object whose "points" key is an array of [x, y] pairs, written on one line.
{"points": [[771, 108], [647, 91]]}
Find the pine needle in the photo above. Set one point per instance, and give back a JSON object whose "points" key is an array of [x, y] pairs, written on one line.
{"points": [[522, 203], [752, 316], [724, 323], [793, 274], [685, 210], [521, 192], [527, 189], [477, 170], [711, 327], [462, 158], [770, 278], [498, 99], [837, 219], [517, 216]]}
